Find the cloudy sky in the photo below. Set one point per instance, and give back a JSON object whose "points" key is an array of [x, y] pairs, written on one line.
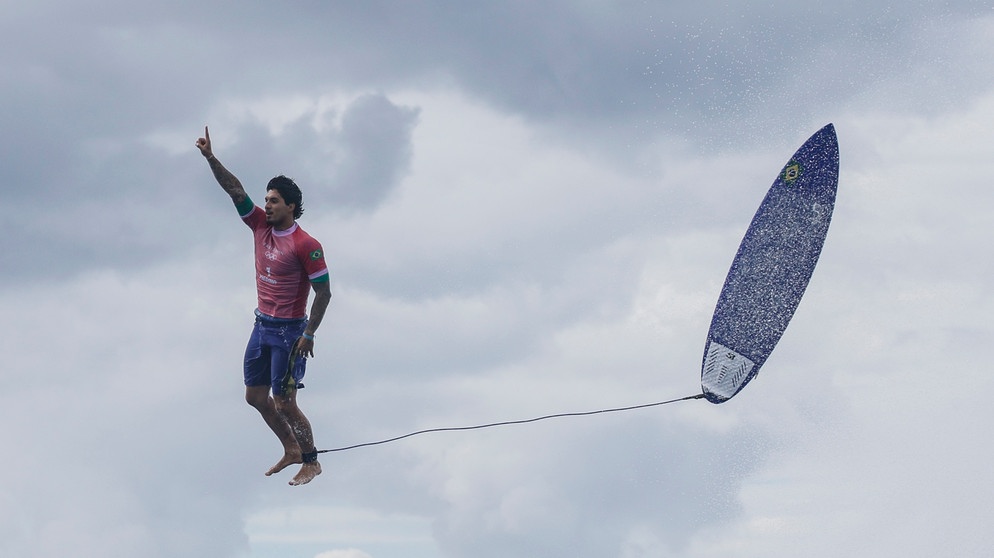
{"points": [[528, 208]]}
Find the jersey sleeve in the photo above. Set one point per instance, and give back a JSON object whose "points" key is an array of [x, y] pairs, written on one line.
{"points": [[251, 214], [312, 258], [244, 207]]}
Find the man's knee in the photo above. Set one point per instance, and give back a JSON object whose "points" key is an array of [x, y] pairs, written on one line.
{"points": [[257, 397]]}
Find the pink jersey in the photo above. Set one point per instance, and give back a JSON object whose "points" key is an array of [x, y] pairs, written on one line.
{"points": [[286, 263]]}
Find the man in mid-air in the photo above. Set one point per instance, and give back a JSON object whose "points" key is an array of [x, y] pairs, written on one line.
{"points": [[288, 264]]}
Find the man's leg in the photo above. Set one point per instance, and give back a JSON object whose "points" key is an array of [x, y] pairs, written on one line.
{"points": [[258, 397], [288, 409]]}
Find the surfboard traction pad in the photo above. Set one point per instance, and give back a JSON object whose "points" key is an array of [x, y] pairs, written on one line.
{"points": [[772, 267], [724, 370]]}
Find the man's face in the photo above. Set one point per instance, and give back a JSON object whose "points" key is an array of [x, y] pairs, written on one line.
{"points": [[278, 213]]}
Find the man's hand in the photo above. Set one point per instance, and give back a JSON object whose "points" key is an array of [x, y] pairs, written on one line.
{"points": [[228, 182], [305, 347], [204, 144]]}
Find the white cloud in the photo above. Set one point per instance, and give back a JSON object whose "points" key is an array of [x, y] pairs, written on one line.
{"points": [[345, 553]]}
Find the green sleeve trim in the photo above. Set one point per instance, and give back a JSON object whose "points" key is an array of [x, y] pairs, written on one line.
{"points": [[322, 278], [245, 207]]}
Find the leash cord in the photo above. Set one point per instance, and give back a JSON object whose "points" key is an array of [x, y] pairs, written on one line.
{"points": [[509, 422]]}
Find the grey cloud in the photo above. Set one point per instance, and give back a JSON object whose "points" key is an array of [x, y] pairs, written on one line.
{"points": [[104, 200], [635, 69], [349, 167], [122, 209], [376, 151]]}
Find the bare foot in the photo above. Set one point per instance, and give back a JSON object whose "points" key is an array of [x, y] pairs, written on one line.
{"points": [[288, 459], [306, 473]]}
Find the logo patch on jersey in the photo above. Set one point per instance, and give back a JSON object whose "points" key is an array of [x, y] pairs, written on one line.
{"points": [[316, 255]]}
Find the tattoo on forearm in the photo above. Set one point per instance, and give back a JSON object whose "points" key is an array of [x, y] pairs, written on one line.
{"points": [[228, 182], [321, 299]]}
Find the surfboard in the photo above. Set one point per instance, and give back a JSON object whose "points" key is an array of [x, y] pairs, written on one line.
{"points": [[772, 267]]}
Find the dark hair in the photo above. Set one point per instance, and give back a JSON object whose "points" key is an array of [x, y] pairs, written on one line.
{"points": [[289, 192]]}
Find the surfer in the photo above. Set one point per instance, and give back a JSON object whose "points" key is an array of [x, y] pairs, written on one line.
{"points": [[289, 263]]}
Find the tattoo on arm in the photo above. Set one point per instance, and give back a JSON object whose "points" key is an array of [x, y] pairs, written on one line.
{"points": [[228, 182], [322, 296]]}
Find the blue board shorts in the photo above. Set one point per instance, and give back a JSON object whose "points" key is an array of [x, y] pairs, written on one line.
{"points": [[269, 348]]}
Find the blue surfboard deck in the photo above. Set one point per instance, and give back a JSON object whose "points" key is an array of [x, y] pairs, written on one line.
{"points": [[772, 268]]}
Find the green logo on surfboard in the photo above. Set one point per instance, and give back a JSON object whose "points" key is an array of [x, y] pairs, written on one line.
{"points": [[791, 172]]}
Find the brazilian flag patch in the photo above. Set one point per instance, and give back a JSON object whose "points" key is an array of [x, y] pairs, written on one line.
{"points": [[792, 172], [316, 255]]}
